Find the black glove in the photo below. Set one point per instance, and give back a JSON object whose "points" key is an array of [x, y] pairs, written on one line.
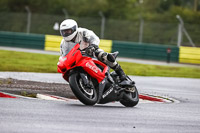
{"points": [[91, 49]]}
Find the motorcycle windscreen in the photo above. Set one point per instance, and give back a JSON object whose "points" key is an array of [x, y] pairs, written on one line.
{"points": [[66, 61]]}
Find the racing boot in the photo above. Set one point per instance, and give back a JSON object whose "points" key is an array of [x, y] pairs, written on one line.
{"points": [[123, 78], [110, 60]]}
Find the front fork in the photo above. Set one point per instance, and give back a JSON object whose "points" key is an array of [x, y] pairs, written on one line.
{"points": [[85, 79]]}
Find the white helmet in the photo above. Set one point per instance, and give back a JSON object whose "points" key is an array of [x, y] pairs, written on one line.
{"points": [[68, 29]]}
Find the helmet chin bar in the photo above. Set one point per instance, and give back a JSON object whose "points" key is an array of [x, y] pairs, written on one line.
{"points": [[70, 37]]}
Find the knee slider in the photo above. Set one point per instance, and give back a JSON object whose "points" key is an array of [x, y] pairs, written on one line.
{"points": [[103, 57]]}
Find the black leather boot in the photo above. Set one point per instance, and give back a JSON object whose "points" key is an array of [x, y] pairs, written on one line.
{"points": [[120, 72], [123, 78]]}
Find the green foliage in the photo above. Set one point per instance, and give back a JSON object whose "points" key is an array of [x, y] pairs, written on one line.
{"points": [[189, 16], [118, 9]]}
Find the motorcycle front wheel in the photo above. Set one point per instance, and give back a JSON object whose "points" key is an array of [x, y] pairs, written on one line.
{"points": [[87, 96], [130, 99]]}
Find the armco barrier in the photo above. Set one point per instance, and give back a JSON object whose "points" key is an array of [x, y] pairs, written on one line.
{"points": [[14, 39], [146, 51], [126, 49], [106, 45], [189, 55], [52, 43]]}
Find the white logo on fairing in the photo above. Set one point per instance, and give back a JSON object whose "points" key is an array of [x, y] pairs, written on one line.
{"points": [[93, 68], [108, 92], [103, 81], [63, 59]]}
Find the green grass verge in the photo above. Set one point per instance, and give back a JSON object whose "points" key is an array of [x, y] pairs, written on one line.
{"points": [[31, 62], [163, 71], [27, 62]]}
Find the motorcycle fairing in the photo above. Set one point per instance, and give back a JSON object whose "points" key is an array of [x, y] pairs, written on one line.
{"points": [[108, 92], [89, 65]]}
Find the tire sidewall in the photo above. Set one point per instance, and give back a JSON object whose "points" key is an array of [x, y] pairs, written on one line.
{"points": [[130, 102], [74, 84]]}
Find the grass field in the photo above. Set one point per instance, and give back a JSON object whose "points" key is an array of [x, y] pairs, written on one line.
{"points": [[31, 62]]}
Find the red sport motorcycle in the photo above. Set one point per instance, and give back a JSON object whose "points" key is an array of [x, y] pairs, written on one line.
{"points": [[91, 80]]}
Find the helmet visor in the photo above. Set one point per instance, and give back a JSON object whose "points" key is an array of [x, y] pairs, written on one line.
{"points": [[67, 32]]}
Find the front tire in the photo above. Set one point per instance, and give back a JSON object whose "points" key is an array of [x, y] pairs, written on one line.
{"points": [[130, 99], [87, 96]]}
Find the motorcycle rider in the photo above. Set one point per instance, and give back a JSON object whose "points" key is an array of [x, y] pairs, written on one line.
{"points": [[89, 42]]}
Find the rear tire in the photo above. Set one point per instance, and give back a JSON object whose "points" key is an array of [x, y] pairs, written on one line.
{"points": [[130, 99], [86, 96]]}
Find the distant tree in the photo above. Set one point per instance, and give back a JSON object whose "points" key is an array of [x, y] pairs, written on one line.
{"points": [[116, 9]]}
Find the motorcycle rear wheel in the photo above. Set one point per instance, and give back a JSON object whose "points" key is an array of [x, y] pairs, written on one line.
{"points": [[130, 99], [87, 98]]}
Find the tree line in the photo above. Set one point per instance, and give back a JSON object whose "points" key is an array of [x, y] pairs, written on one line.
{"points": [[153, 10]]}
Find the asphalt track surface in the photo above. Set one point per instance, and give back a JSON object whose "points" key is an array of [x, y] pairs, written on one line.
{"points": [[22, 115], [27, 115]]}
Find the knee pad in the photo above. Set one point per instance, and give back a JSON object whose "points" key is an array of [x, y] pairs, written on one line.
{"points": [[106, 58], [101, 55]]}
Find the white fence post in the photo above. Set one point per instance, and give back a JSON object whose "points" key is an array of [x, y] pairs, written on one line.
{"points": [[66, 13], [28, 19], [181, 30], [102, 24], [141, 29]]}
